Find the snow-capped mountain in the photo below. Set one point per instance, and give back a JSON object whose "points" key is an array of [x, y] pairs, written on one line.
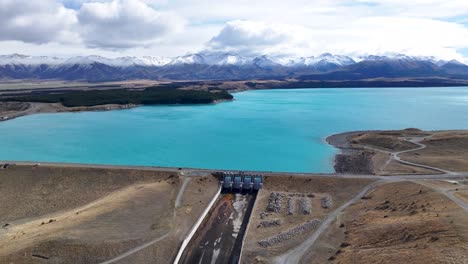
{"points": [[211, 66], [147, 61], [265, 62], [151, 61], [19, 59], [211, 59], [326, 58]]}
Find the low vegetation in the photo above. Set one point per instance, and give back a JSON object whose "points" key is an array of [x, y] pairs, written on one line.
{"points": [[149, 96]]}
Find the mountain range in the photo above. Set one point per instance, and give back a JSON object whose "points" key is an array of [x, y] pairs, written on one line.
{"points": [[227, 66]]}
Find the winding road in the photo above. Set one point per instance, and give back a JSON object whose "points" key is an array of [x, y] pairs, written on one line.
{"points": [[417, 141], [296, 254]]}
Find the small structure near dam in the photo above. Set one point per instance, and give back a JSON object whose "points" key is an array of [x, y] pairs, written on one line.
{"points": [[240, 181]]}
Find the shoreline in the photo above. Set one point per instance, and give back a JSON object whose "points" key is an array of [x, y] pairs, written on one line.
{"points": [[51, 108], [353, 160], [43, 108], [349, 159], [376, 152]]}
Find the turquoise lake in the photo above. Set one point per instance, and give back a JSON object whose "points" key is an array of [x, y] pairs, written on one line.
{"points": [[269, 130]]}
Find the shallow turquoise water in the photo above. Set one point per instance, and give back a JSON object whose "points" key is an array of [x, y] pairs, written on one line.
{"points": [[272, 130]]}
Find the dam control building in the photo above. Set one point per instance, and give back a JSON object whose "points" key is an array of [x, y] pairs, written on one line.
{"points": [[240, 181]]}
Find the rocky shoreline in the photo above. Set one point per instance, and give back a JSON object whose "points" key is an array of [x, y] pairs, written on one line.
{"points": [[351, 160]]}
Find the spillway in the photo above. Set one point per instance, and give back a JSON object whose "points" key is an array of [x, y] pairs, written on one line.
{"points": [[219, 237]]}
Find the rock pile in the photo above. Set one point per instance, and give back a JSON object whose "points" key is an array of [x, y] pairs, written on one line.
{"points": [[263, 215], [275, 202], [305, 206], [291, 233], [291, 206], [270, 223], [326, 201]]}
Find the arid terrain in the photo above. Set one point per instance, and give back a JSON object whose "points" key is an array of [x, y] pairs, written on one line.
{"points": [[398, 196], [384, 221], [395, 223], [267, 222], [414, 208], [378, 152], [69, 214]]}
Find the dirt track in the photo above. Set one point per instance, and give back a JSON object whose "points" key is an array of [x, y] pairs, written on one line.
{"points": [[96, 215]]}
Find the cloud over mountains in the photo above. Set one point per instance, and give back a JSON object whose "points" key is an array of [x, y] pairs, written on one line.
{"points": [[125, 24], [274, 27], [35, 21]]}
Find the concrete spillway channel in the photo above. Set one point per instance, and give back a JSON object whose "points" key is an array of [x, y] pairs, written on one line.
{"points": [[219, 237]]}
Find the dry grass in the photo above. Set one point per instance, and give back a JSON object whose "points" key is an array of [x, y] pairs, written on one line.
{"points": [[340, 190], [446, 150], [88, 215], [397, 168], [401, 222], [382, 141]]}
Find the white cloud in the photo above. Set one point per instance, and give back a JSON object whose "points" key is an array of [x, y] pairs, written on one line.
{"points": [[422, 8], [125, 24], [250, 34], [295, 27], [374, 35], [255, 38], [36, 21]]}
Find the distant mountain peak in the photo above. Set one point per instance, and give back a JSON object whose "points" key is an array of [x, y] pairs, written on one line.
{"points": [[226, 65]]}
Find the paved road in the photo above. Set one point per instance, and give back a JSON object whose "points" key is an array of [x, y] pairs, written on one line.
{"points": [[193, 172]]}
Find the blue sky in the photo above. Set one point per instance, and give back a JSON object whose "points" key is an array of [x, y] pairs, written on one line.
{"points": [[274, 27], [72, 4]]}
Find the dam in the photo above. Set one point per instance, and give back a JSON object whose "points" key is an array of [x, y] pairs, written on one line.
{"points": [[220, 236], [240, 182]]}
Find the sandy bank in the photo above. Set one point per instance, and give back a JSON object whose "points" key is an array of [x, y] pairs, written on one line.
{"points": [[10, 110]]}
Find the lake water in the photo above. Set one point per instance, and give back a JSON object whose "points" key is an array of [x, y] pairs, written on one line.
{"points": [[270, 130]]}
